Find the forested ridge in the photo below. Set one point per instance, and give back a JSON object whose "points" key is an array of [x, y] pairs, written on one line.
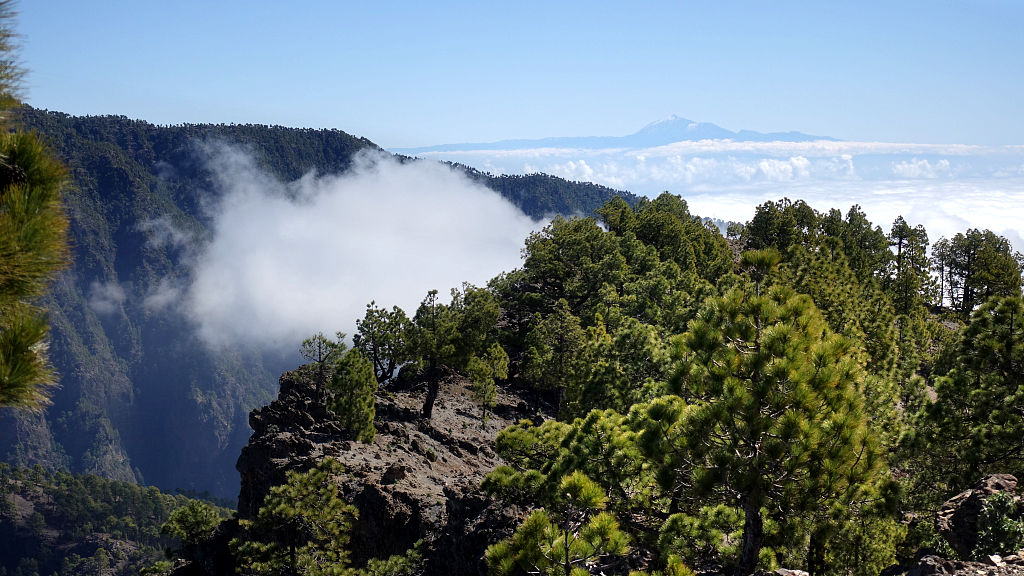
{"points": [[804, 392], [140, 398], [60, 523]]}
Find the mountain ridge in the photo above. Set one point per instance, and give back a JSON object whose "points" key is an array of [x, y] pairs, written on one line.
{"points": [[141, 400], [659, 133]]}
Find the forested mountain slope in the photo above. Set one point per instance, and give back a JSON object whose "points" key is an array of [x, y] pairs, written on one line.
{"points": [[140, 398], [801, 395]]}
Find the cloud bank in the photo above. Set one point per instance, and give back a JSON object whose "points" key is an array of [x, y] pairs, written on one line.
{"points": [[286, 260], [948, 188]]}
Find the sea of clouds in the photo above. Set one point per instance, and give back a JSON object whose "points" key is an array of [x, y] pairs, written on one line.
{"points": [[947, 188]]}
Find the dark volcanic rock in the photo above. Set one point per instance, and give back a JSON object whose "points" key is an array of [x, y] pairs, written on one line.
{"points": [[937, 566], [417, 480], [288, 434], [957, 519]]}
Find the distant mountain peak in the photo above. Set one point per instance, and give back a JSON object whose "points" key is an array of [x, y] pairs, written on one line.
{"points": [[673, 119], [678, 129], [659, 133]]}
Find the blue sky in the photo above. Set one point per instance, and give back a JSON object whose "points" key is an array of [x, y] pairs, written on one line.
{"points": [[926, 96], [419, 73]]}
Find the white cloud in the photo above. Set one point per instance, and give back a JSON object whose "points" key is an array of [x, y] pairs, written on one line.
{"points": [[946, 187], [719, 162], [106, 297], [811, 149], [944, 208], [161, 233], [921, 168], [784, 170], [166, 294], [288, 259]]}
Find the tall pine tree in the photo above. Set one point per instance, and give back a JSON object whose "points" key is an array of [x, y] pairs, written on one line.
{"points": [[767, 413]]}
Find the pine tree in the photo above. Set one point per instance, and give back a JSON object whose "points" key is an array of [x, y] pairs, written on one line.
{"points": [[483, 370], [383, 337], [554, 350], [767, 413], [974, 266], [573, 537], [450, 336], [322, 352], [908, 281], [302, 527], [352, 388], [619, 368], [974, 424], [33, 245], [191, 524]]}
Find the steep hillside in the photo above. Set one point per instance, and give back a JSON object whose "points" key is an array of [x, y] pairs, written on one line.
{"points": [[417, 480], [59, 523], [141, 399]]}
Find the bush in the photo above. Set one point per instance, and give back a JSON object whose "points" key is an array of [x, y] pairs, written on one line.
{"points": [[999, 529]]}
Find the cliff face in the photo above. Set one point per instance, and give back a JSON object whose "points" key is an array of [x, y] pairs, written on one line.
{"points": [[416, 480]]}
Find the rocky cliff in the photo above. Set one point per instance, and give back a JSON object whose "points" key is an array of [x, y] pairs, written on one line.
{"points": [[418, 479]]}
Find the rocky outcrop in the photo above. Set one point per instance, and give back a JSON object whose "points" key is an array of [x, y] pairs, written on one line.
{"points": [[957, 522], [957, 519], [993, 566], [417, 480], [290, 433]]}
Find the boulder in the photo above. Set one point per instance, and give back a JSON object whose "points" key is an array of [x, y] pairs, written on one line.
{"points": [[957, 519]]}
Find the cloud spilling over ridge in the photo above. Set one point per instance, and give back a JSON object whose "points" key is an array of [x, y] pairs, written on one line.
{"points": [[288, 259]]}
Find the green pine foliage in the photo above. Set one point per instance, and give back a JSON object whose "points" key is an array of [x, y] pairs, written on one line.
{"points": [[192, 522], [973, 267], [190, 525], [322, 352], [434, 332], [351, 389], [711, 534], [554, 357], [33, 247], [382, 336], [65, 510], [603, 445], [973, 426], [766, 412], [620, 368], [33, 242], [302, 527], [862, 545], [483, 371], [573, 537], [909, 280]]}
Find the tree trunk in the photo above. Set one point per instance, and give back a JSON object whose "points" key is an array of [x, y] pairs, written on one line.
{"points": [[433, 387], [753, 537], [816, 553]]}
